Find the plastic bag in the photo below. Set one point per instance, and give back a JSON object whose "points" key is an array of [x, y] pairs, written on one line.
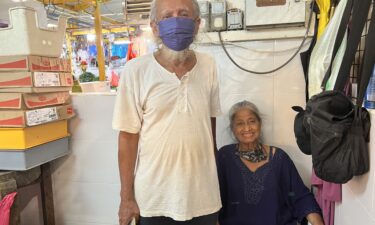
{"points": [[336, 64], [5, 206], [114, 79], [322, 53]]}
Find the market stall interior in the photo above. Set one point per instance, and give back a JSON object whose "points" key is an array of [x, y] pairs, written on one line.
{"points": [[60, 66], [116, 33]]}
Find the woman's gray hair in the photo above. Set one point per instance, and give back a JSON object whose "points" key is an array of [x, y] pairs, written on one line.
{"points": [[243, 105], [153, 10]]}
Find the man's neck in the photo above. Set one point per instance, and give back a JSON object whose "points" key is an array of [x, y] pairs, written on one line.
{"points": [[178, 64], [175, 59]]}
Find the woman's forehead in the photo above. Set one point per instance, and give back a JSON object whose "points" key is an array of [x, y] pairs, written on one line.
{"points": [[244, 112]]}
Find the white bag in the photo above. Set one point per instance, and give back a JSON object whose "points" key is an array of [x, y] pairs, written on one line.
{"points": [[322, 53]]}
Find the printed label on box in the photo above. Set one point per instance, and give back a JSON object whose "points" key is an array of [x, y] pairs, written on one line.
{"points": [[45, 79], [40, 116]]}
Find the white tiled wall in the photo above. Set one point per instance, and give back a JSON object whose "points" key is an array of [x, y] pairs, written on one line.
{"points": [[274, 93], [86, 184], [358, 205]]}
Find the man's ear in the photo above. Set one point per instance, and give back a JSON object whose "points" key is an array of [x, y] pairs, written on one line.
{"points": [[155, 29], [197, 24]]}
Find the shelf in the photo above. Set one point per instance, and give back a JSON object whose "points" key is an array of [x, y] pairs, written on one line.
{"points": [[254, 35]]}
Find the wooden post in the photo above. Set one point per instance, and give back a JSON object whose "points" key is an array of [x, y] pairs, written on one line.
{"points": [[47, 195]]}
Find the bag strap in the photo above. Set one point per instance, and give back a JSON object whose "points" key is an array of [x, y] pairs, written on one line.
{"points": [[368, 59], [339, 38], [359, 18]]}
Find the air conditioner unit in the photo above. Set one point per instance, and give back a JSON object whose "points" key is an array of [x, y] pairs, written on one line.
{"points": [[274, 13]]}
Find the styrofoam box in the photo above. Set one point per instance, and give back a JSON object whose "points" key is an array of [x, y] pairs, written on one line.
{"points": [[96, 86], [32, 157], [23, 36]]}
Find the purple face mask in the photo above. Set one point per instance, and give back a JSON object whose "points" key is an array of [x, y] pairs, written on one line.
{"points": [[177, 33]]}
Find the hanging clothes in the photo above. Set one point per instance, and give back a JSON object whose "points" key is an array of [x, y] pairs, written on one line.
{"points": [[324, 7], [327, 195]]}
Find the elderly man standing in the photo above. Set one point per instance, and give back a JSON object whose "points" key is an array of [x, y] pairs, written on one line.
{"points": [[163, 110]]}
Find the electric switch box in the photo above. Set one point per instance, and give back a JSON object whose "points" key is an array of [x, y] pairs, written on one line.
{"points": [[218, 15], [234, 19]]}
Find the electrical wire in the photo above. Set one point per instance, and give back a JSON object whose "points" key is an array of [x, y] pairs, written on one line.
{"points": [[283, 65], [252, 49]]}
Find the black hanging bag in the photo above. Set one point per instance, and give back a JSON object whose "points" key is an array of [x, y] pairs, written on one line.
{"points": [[333, 129]]}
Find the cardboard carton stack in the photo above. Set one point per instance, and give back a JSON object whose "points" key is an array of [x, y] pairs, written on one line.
{"points": [[34, 91], [34, 83]]}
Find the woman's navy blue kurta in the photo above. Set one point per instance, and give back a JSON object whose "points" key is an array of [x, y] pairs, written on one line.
{"points": [[272, 195]]}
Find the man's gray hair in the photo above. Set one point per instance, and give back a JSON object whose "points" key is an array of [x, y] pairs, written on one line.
{"points": [[243, 105], [153, 18]]}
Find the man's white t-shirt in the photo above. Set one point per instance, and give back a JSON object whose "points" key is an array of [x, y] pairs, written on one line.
{"points": [[175, 175]]}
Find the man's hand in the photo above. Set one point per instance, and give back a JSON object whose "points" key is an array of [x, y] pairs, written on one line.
{"points": [[128, 210]]}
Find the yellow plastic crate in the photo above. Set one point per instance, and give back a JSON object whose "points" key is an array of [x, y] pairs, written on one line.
{"points": [[23, 138]]}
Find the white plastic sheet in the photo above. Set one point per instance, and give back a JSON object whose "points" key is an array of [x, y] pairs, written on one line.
{"points": [[322, 53]]}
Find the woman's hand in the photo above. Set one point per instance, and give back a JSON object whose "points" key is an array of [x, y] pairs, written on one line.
{"points": [[315, 219], [128, 210]]}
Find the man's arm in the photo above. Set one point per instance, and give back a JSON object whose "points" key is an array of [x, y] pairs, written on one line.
{"points": [[127, 156]]}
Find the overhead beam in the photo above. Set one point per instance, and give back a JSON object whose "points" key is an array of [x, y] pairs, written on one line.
{"points": [[80, 6], [71, 2]]}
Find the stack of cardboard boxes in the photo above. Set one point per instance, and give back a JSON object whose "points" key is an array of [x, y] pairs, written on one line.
{"points": [[34, 91], [35, 86]]}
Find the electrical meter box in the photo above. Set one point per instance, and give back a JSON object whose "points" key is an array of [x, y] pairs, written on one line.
{"points": [[218, 15], [274, 13], [234, 19], [204, 7]]}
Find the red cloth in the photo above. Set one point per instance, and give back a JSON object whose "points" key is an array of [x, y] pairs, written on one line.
{"points": [[5, 205], [326, 196], [130, 55]]}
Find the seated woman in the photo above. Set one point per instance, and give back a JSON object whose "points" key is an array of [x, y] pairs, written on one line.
{"points": [[259, 184]]}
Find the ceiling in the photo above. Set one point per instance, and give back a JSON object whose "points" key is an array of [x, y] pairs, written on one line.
{"points": [[81, 12]]}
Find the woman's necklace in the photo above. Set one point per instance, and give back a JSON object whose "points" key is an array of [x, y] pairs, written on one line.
{"points": [[256, 155]]}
